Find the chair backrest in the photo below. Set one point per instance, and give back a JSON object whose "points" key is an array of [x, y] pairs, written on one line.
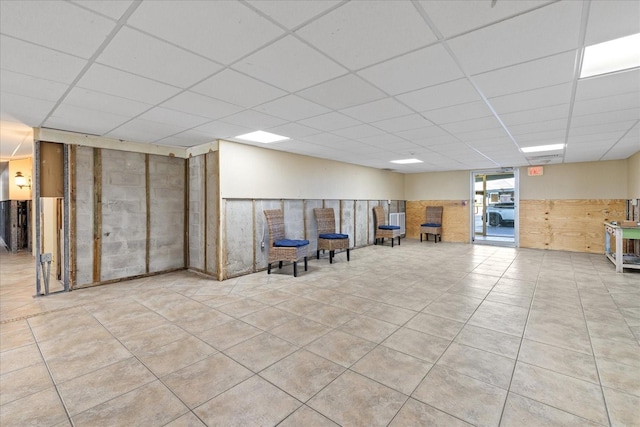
{"points": [[434, 215], [275, 222], [325, 220], [381, 218]]}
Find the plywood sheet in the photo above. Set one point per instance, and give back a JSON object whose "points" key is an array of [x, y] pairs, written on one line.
{"points": [[455, 219]]}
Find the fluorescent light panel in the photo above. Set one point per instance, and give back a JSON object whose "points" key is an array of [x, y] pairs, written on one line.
{"points": [[614, 55], [406, 161], [538, 148], [262, 136]]}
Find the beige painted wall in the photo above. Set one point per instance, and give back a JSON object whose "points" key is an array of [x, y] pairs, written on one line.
{"points": [[588, 180], [453, 185], [24, 166], [257, 173], [633, 176]]}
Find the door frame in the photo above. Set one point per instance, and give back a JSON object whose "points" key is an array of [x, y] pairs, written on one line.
{"points": [[516, 203]]}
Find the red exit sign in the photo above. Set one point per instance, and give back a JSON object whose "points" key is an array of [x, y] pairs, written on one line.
{"points": [[536, 170]]}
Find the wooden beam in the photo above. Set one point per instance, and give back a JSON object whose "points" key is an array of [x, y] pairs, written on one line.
{"points": [[148, 210], [97, 214], [73, 254]]}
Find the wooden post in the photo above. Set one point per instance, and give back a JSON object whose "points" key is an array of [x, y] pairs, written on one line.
{"points": [[97, 214]]}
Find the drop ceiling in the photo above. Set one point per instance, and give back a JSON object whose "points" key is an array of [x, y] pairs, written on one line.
{"points": [[457, 84]]}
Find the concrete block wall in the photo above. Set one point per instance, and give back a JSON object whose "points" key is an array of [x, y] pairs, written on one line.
{"points": [[167, 229], [124, 215], [245, 228], [127, 247], [84, 216], [196, 213]]}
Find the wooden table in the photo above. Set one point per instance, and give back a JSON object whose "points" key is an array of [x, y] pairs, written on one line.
{"points": [[620, 233]]}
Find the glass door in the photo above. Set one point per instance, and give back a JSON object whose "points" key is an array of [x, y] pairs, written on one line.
{"points": [[495, 213]]}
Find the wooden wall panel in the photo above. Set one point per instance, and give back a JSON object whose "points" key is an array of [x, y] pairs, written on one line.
{"points": [[570, 225], [455, 219]]}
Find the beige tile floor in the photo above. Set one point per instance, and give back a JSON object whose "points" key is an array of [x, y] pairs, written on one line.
{"points": [[421, 334]]}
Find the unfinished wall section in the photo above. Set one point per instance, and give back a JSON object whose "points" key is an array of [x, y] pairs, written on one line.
{"points": [[84, 215], [124, 215], [166, 202], [212, 212], [197, 223], [245, 230]]}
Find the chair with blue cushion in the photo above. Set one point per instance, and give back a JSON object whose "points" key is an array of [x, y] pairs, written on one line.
{"points": [[383, 230], [433, 224], [281, 249], [328, 239]]}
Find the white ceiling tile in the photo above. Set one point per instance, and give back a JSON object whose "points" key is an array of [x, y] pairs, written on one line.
{"points": [[112, 8], [456, 17], [223, 31], [361, 33], [415, 70], [254, 120], [553, 136], [98, 101], [478, 135], [536, 115], [200, 105], [224, 86], [146, 56], [529, 128], [625, 14], [609, 103], [119, 83], [408, 122], [76, 30], [221, 130], [472, 125], [608, 85], [444, 95], [22, 109], [586, 139], [377, 110], [172, 117], [359, 131], [330, 122], [292, 13], [324, 139], [543, 72], [390, 142], [33, 87], [606, 117], [292, 108], [144, 131], [290, 65], [32, 60], [84, 120], [420, 135], [546, 31], [621, 126], [342, 92], [187, 138], [458, 113], [293, 130], [532, 99]]}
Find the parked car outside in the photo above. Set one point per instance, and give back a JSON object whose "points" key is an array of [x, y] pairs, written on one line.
{"points": [[501, 214]]}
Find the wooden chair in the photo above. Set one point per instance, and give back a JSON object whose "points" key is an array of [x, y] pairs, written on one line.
{"points": [[328, 239], [383, 230], [281, 249], [433, 224]]}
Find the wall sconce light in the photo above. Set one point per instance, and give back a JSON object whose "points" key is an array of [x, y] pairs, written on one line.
{"points": [[22, 181]]}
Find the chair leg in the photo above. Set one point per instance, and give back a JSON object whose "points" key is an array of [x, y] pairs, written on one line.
{"points": [[280, 264], [392, 242], [305, 264], [318, 254], [398, 240], [331, 254], [269, 268], [295, 269], [421, 237], [348, 255]]}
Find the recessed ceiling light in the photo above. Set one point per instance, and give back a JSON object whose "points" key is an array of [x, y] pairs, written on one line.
{"points": [[406, 161], [538, 148], [262, 136], [614, 55]]}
